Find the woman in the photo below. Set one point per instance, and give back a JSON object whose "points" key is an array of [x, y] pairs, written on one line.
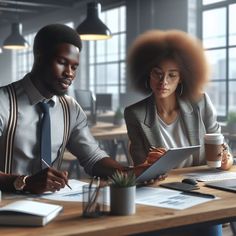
{"points": [[172, 67]]}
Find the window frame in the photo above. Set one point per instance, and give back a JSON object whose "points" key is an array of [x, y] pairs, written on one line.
{"points": [[121, 84], [223, 4]]}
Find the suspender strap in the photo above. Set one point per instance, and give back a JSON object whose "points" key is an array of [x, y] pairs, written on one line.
{"points": [[11, 128], [66, 113]]}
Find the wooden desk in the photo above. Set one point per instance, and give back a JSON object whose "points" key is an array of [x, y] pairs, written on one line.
{"points": [[110, 136], [105, 131], [146, 218]]}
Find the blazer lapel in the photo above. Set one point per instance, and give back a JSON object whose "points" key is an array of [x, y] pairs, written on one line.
{"points": [[191, 122], [190, 119], [150, 125]]}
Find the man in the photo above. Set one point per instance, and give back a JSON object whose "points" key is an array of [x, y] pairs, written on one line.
{"points": [[56, 59]]}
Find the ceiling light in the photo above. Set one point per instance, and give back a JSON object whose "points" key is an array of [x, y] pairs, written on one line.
{"points": [[92, 28], [15, 40]]}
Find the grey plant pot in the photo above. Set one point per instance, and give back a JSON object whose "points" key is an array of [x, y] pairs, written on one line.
{"points": [[122, 200], [232, 128], [118, 121]]}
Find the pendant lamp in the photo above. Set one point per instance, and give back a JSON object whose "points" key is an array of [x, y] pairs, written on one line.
{"points": [[92, 28], [15, 40]]}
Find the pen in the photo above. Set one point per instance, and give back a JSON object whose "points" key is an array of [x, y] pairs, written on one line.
{"points": [[50, 166], [198, 194]]}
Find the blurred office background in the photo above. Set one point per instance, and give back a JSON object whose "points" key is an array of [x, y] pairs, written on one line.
{"points": [[103, 69], [102, 72]]}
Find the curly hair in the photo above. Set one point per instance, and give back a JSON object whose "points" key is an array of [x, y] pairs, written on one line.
{"points": [[51, 35], [153, 47]]}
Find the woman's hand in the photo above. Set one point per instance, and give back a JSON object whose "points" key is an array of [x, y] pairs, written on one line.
{"points": [[155, 154], [227, 158]]}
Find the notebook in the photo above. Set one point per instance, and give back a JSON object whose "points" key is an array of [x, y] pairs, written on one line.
{"points": [[227, 184], [172, 158], [28, 213]]}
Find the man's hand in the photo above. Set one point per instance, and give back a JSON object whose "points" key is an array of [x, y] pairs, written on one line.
{"points": [[48, 179]]}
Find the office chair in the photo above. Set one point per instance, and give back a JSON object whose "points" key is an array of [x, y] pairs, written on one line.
{"points": [[87, 101]]}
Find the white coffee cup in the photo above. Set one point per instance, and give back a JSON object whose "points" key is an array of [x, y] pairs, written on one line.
{"points": [[213, 149]]}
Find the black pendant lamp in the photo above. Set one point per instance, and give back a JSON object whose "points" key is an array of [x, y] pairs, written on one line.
{"points": [[15, 40], [92, 28]]}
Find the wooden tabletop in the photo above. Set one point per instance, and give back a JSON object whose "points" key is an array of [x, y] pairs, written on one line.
{"points": [[106, 131], [147, 218]]}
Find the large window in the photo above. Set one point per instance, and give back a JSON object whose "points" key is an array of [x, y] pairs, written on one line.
{"points": [[23, 59], [219, 40], [107, 57]]}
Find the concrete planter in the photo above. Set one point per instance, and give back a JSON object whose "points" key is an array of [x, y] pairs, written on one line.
{"points": [[118, 121], [231, 128], [122, 200]]}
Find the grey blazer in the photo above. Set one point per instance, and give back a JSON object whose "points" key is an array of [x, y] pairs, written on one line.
{"points": [[143, 127]]}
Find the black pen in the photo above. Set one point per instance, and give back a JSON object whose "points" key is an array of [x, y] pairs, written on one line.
{"points": [[198, 194]]}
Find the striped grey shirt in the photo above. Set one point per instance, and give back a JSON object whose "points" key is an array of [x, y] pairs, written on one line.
{"points": [[26, 151]]}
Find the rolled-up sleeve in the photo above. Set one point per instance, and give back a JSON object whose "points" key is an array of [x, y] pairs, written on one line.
{"points": [[81, 142]]}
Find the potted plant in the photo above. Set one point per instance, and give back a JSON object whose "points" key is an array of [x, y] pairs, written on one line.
{"points": [[122, 193], [118, 118], [231, 122]]}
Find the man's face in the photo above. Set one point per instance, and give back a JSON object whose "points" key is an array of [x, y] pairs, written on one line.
{"points": [[61, 69]]}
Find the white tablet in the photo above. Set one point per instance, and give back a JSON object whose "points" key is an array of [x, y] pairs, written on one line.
{"points": [[167, 162]]}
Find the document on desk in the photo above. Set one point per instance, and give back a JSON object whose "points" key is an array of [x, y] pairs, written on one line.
{"points": [[161, 197], [211, 175], [67, 194]]}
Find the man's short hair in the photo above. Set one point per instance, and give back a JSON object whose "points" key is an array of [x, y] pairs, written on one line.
{"points": [[50, 35]]}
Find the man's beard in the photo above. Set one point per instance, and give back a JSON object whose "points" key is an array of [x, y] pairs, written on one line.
{"points": [[53, 91]]}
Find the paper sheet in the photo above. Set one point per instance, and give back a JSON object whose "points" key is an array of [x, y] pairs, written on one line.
{"points": [[66, 194], [161, 197], [212, 175]]}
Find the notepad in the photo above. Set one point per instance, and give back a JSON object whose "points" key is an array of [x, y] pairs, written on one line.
{"points": [[28, 213]]}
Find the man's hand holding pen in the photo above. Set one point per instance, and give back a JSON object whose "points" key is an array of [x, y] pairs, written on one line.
{"points": [[49, 179]]}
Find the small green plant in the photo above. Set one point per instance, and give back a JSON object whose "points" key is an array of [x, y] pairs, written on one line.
{"points": [[123, 179], [231, 117], [118, 114], [118, 117]]}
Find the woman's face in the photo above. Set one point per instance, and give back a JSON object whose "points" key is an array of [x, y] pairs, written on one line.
{"points": [[164, 79]]}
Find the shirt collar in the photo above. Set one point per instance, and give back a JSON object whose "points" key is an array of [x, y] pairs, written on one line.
{"points": [[33, 93]]}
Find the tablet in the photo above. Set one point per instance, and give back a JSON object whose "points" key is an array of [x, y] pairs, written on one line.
{"points": [[172, 158]]}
